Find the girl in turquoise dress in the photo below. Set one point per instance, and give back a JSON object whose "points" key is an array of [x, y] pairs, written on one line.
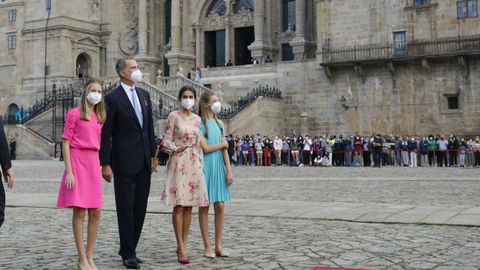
{"points": [[217, 170]]}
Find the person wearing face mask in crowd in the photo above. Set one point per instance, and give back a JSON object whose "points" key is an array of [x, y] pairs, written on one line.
{"points": [[453, 151], [285, 152], [432, 148], [470, 158], [259, 151], [423, 145], [278, 145], [477, 151], [267, 160], [251, 151], [462, 152], [294, 151], [128, 153], [412, 150], [81, 185], [185, 185], [244, 149]]}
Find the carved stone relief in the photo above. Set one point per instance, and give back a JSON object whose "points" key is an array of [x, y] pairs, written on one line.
{"points": [[127, 40]]}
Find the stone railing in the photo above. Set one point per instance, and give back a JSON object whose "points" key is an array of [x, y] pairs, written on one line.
{"points": [[445, 46], [162, 102], [173, 84]]}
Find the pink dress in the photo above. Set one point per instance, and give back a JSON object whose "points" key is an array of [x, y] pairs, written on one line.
{"points": [[185, 184], [84, 137]]}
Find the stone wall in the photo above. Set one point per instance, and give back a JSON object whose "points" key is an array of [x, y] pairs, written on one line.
{"points": [[261, 116], [29, 144]]}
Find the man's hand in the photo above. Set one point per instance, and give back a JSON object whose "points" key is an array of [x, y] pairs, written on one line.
{"points": [[107, 173], [9, 177], [154, 165]]}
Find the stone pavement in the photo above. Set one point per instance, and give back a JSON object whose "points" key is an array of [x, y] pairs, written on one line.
{"points": [[280, 218]]}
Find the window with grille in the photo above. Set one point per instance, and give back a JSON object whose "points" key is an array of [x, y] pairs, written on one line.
{"points": [[467, 9], [12, 15], [12, 42], [452, 102], [421, 2], [288, 17]]}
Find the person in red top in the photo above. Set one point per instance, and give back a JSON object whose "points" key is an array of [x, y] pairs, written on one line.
{"points": [[357, 150]]}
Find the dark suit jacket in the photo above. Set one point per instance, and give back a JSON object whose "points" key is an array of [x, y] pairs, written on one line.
{"points": [[4, 151], [125, 145]]}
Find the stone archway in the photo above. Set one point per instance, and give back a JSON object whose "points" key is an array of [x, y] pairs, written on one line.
{"points": [[83, 66], [225, 30], [13, 114]]}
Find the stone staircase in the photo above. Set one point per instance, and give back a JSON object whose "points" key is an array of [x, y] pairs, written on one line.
{"points": [[171, 85]]}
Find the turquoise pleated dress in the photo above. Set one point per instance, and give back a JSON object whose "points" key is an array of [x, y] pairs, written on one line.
{"points": [[214, 165]]}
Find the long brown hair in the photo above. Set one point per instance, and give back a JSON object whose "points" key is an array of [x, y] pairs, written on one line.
{"points": [[99, 108], [184, 89], [203, 109]]}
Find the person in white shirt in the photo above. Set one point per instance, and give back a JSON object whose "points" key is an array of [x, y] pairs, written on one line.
{"points": [[307, 148], [259, 150], [277, 145]]}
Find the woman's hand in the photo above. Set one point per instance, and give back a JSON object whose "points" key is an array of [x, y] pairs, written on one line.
{"points": [[229, 178], [224, 144], [70, 181]]}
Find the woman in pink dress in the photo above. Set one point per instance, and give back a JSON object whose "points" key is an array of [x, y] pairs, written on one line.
{"points": [[185, 185], [81, 187]]}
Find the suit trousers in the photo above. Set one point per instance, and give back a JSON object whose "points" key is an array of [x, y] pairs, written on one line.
{"points": [[2, 203], [131, 198]]}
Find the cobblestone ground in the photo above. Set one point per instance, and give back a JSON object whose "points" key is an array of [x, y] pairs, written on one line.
{"points": [[41, 238]]}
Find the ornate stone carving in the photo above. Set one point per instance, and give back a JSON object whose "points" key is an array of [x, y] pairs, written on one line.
{"points": [[244, 16], [286, 37], [127, 40], [214, 19]]}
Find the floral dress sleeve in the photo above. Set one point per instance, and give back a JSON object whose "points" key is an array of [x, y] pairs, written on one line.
{"points": [[71, 119], [168, 144]]}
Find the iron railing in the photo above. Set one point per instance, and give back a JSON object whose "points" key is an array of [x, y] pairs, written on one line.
{"points": [[265, 91], [446, 46]]}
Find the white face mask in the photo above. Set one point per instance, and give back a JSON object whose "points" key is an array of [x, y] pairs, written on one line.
{"points": [[216, 107], [136, 76], [94, 98], [188, 103]]}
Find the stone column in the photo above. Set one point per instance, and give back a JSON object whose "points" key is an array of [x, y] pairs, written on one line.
{"points": [[259, 20], [176, 26], [142, 27], [298, 43], [197, 45], [228, 31], [257, 47]]}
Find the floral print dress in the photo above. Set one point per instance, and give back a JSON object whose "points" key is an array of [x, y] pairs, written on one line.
{"points": [[185, 183]]}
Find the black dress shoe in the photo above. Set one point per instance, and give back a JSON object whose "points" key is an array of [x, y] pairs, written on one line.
{"points": [[131, 263], [139, 260]]}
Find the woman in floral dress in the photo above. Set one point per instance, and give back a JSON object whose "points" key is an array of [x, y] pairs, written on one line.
{"points": [[185, 184]]}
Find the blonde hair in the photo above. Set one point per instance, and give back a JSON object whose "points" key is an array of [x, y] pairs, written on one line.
{"points": [[202, 111], [99, 108]]}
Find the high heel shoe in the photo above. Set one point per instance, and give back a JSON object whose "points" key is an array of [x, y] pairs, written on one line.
{"points": [[222, 253], [209, 254], [186, 260]]}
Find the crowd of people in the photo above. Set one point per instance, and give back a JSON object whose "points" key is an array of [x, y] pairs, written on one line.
{"points": [[354, 151]]}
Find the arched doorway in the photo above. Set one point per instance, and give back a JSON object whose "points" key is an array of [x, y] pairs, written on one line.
{"points": [[83, 66], [228, 31], [13, 114]]}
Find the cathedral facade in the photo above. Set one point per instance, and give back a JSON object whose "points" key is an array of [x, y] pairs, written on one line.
{"points": [[401, 67]]}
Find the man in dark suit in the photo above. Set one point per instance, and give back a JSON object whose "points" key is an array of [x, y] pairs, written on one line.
{"points": [[128, 153], [6, 169]]}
